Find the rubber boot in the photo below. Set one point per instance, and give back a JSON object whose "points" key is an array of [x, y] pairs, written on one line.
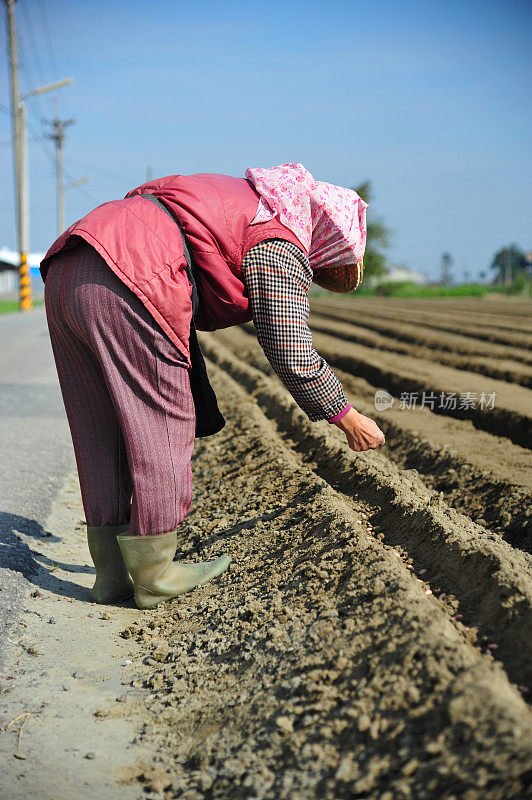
{"points": [[112, 580], [156, 576]]}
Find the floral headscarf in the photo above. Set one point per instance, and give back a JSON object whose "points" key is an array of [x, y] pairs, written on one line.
{"points": [[328, 220]]}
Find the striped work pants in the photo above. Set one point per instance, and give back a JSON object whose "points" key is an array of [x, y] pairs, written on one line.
{"points": [[127, 397]]}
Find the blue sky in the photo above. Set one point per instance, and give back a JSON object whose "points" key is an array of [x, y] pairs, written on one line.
{"points": [[430, 101]]}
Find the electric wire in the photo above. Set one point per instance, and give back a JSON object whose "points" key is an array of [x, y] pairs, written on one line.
{"points": [[25, 67], [48, 39], [33, 44], [51, 53], [45, 101], [39, 139], [104, 172]]}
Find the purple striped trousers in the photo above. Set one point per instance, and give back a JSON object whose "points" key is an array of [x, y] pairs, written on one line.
{"points": [[127, 397]]}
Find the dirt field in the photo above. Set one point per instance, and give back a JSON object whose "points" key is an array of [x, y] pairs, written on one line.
{"points": [[372, 638]]}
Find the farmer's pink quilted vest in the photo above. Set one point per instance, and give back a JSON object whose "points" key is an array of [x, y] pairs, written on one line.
{"points": [[142, 245]]}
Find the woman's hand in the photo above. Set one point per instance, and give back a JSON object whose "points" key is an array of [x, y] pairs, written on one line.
{"points": [[361, 432]]}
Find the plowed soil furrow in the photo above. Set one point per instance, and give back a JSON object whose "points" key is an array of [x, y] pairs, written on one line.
{"points": [[513, 315], [491, 581], [318, 666], [510, 417], [501, 369], [515, 318], [510, 313], [420, 335], [453, 322], [483, 476]]}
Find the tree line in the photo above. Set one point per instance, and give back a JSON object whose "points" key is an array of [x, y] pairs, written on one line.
{"points": [[509, 264]]}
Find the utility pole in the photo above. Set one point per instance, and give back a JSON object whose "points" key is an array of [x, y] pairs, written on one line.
{"points": [[20, 159], [446, 264], [507, 267], [18, 115], [58, 136]]}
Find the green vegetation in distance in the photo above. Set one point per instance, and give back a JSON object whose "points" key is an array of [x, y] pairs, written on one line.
{"points": [[8, 306], [408, 289], [509, 265], [378, 237]]}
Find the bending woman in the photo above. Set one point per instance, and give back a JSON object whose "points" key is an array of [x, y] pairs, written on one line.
{"points": [[127, 286]]}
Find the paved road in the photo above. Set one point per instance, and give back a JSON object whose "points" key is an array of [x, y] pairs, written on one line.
{"points": [[35, 447]]}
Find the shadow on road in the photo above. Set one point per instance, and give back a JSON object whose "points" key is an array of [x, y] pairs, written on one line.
{"points": [[36, 567]]}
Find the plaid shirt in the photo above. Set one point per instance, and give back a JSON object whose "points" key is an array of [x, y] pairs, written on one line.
{"points": [[278, 276]]}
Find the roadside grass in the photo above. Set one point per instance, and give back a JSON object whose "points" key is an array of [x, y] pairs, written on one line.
{"points": [[8, 306]]}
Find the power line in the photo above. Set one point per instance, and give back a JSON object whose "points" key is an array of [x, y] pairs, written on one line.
{"points": [[22, 62], [30, 82], [48, 39], [38, 138], [43, 107], [17, 114], [105, 172], [80, 189], [50, 51], [33, 44], [27, 70]]}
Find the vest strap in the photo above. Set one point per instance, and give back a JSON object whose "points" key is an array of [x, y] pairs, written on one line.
{"points": [[209, 419]]}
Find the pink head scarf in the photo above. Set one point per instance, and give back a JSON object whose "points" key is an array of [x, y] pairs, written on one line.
{"points": [[328, 220]]}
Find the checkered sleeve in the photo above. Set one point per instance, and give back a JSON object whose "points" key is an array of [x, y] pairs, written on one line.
{"points": [[278, 275]]}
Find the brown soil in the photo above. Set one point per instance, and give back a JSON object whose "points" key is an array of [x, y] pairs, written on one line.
{"points": [[372, 636], [510, 417], [511, 328], [452, 351], [415, 333], [485, 476]]}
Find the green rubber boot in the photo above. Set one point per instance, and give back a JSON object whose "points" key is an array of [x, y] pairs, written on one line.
{"points": [[156, 576], [112, 580]]}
